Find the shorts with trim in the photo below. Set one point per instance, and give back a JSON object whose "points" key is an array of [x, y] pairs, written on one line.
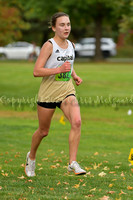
{"points": [[52, 105]]}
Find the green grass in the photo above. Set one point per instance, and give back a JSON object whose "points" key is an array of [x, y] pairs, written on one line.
{"points": [[105, 143], [98, 79]]}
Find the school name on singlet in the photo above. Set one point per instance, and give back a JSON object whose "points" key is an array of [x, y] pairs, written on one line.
{"points": [[64, 58]]}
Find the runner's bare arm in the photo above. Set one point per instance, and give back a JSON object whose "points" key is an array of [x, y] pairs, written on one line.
{"points": [[76, 78], [45, 53]]}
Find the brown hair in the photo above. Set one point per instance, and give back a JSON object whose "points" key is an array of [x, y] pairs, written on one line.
{"points": [[55, 16]]}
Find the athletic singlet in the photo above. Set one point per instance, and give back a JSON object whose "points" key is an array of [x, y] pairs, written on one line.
{"points": [[55, 88]]}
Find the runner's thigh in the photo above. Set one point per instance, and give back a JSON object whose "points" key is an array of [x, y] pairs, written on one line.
{"points": [[71, 109], [44, 117]]}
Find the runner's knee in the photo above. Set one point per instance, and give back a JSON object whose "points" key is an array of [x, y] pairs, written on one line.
{"points": [[76, 123], [43, 132]]}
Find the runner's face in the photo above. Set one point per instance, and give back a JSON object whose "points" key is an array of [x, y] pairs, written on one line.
{"points": [[62, 27]]}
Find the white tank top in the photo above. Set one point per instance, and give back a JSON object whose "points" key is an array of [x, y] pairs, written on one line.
{"points": [[55, 88], [59, 55]]}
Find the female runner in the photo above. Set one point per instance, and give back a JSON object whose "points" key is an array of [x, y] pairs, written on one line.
{"points": [[55, 65]]}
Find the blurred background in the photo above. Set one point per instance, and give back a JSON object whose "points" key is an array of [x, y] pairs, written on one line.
{"points": [[100, 28]]}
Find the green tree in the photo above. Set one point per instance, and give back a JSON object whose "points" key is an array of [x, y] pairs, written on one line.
{"points": [[126, 25], [101, 12], [83, 13], [11, 22]]}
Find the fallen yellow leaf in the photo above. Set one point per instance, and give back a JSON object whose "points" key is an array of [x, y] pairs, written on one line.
{"points": [[57, 164], [53, 166], [4, 174], [122, 193], [30, 180], [110, 185], [76, 186], [105, 198], [89, 195], [105, 161], [130, 188], [93, 189], [88, 168], [114, 179], [52, 154], [122, 174], [96, 153], [59, 183], [102, 174], [95, 166], [111, 192], [106, 168], [21, 177], [31, 188], [62, 120], [23, 165], [40, 168], [66, 183], [117, 167], [49, 150], [44, 159]]}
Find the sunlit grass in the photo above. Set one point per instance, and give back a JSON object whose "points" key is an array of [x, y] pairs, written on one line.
{"points": [[104, 148]]}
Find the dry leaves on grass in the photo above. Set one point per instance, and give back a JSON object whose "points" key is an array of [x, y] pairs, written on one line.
{"points": [[76, 186], [55, 166], [132, 170], [122, 193], [66, 183], [40, 168], [96, 153], [39, 164], [102, 174], [44, 159], [93, 189], [111, 185], [130, 188], [89, 195], [117, 167], [111, 172], [22, 165], [111, 192], [59, 183], [21, 177], [88, 168], [96, 166], [105, 168], [105, 198], [30, 180], [4, 174], [122, 174]]}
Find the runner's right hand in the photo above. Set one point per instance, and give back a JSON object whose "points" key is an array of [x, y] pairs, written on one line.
{"points": [[66, 67]]}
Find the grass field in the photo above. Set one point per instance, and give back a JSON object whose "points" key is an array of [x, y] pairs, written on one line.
{"points": [[105, 144]]}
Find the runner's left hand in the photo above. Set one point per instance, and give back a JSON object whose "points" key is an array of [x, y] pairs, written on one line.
{"points": [[77, 80]]}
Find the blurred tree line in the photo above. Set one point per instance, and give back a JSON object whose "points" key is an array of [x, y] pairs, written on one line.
{"points": [[29, 20]]}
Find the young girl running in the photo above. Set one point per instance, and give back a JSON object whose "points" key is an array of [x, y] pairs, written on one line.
{"points": [[55, 65]]}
